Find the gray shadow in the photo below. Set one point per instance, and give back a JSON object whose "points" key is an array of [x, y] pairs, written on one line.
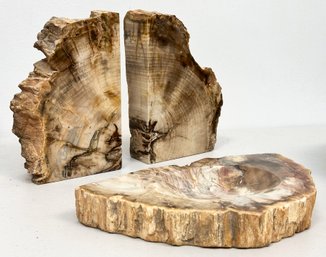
{"points": [[69, 216], [221, 141], [314, 158]]}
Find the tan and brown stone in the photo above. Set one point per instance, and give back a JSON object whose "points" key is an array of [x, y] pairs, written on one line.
{"points": [[67, 116], [174, 104], [237, 201]]}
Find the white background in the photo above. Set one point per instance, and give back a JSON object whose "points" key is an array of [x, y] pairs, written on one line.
{"points": [[270, 59]]}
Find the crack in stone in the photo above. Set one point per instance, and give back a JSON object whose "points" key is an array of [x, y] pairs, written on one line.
{"points": [[93, 147], [148, 136], [67, 171], [115, 150]]}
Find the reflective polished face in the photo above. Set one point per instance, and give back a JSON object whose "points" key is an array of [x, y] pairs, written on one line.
{"points": [[248, 181]]}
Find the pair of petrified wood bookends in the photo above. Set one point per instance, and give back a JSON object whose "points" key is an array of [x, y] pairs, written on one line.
{"points": [[68, 113], [68, 120]]}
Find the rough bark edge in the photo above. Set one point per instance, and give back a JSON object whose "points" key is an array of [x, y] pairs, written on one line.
{"points": [[205, 228], [28, 121]]}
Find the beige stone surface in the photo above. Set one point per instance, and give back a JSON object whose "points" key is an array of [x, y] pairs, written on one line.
{"points": [[67, 116], [174, 104], [236, 201]]}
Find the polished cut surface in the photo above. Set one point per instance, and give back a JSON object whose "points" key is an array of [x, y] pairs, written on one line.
{"points": [[174, 104], [67, 116], [235, 201]]}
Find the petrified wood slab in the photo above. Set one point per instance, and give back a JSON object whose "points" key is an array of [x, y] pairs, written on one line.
{"points": [[238, 201], [67, 116], [174, 104]]}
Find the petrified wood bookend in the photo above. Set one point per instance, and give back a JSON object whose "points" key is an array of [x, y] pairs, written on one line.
{"points": [[238, 201], [67, 116], [174, 104]]}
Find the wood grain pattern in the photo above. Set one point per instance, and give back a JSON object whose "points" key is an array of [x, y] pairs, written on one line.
{"points": [[236, 201], [174, 104], [67, 116]]}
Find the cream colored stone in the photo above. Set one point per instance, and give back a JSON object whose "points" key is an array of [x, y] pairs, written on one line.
{"points": [[174, 104], [244, 202], [67, 116]]}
